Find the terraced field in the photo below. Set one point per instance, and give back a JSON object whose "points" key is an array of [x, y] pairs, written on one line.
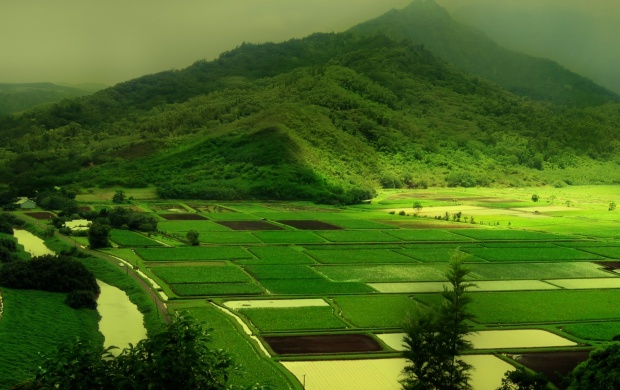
{"points": [[370, 269]]}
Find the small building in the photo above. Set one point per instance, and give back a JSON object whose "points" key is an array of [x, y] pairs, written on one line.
{"points": [[25, 203], [78, 224]]}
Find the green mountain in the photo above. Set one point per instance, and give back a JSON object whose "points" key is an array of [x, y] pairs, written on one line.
{"points": [[20, 97], [327, 118], [427, 23]]}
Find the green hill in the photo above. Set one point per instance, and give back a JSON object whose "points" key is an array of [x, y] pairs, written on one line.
{"points": [[20, 97], [327, 118], [428, 24]]}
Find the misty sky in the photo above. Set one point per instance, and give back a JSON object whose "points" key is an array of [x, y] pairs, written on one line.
{"points": [[110, 41]]}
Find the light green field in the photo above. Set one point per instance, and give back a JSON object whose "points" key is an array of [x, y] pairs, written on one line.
{"points": [[359, 256], [376, 311], [357, 236], [277, 255], [202, 227], [288, 237], [384, 272]]}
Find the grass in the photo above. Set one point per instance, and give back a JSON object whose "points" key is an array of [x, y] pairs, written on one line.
{"points": [[227, 335], [603, 331], [541, 306], [354, 223], [359, 256], [228, 238], [131, 239], [190, 253], [262, 272], [34, 323], [293, 318], [215, 289], [277, 255], [313, 287], [201, 274], [507, 234], [203, 227], [434, 254], [376, 311], [531, 254], [512, 271], [357, 236], [610, 252], [384, 272], [288, 237], [426, 235]]}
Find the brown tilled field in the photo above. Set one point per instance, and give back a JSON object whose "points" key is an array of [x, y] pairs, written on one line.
{"points": [[290, 345]]}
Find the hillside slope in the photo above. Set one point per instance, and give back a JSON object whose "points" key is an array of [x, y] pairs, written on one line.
{"points": [[326, 118], [20, 97], [427, 23]]}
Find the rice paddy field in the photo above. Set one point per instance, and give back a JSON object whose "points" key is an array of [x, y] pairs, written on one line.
{"points": [[275, 280]]}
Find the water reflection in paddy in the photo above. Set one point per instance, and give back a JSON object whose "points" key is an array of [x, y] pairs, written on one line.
{"points": [[121, 321]]}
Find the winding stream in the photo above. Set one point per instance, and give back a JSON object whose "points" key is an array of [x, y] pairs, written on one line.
{"points": [[121, 322]]}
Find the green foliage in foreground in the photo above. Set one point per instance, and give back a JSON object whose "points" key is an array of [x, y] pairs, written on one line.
{"points": [[36, 322], [600, 371], [435, 337], [179, 357]]}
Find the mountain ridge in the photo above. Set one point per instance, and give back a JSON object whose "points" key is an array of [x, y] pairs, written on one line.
{"points": [[326, 118]]}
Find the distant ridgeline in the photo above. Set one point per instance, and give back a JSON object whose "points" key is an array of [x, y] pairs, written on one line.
{"points": [[328, 118], [19, 97]]}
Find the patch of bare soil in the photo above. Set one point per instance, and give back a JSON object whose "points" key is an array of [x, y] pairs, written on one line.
{"points": [[309, 224], [249, 225], [40, 215], [555, 365], [290, 345], [609, 265], [183, 217]]}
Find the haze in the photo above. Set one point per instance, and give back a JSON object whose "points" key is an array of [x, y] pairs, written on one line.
{"points": [[75, 41]]}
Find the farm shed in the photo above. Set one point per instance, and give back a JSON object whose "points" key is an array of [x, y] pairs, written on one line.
{"points": [[25, 203]]}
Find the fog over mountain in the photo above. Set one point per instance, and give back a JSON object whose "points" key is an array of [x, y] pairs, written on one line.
{"points": [[581, 36], [108, 42]]}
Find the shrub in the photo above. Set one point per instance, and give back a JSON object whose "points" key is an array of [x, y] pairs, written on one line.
{"points": [[79, 299]]}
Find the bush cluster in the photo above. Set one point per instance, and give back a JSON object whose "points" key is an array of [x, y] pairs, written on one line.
{"points": [[56, 274]]}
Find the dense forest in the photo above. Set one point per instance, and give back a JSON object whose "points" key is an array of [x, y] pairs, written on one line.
{"points": [[327, 118]]}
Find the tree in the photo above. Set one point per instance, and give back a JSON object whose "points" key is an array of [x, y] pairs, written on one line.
{"points": [[192, 237], [535, 198], [435, 337], [119, 196], [98, 235], [418, 207], [612, 206], [179, 357], [601, 371], [521, 379]]}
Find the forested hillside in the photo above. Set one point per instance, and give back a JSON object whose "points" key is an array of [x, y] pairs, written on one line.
{"points": [[327, 118], [20, 97], [427, 23]]}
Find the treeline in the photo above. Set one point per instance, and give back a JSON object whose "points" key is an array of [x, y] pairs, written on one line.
{"points": [[55, 274]]}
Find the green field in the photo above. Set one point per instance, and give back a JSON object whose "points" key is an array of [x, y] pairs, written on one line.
{"points": [[193, 253], [359, 256], [131, 239], [293, 319], [375, 246], [201, 274], [277, 255]]}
